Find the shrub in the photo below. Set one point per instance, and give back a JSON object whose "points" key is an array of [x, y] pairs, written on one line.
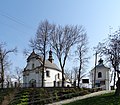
{"points": [[84, 92]]}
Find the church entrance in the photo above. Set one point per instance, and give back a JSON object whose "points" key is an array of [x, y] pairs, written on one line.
{"points": [[32, 83]]}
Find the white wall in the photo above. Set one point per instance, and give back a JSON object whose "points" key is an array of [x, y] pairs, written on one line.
{"points": [[105, 76], [49, 81], [30, 73], [33, 61]]}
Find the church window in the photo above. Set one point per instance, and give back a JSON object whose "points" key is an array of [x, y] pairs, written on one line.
{"points": [[48, 73], [99, 75], [33, 66], [58, 76]]}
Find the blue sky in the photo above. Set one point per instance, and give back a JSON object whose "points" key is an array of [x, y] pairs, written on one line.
{"points": [[19, 20]]}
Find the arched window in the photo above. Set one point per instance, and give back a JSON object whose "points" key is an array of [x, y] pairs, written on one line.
{"points": [[99, 75], [58, 76], [33, 66], [32, 83]]}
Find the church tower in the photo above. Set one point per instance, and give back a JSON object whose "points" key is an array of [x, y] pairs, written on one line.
{"points": [[50, 56], [101, 76]]}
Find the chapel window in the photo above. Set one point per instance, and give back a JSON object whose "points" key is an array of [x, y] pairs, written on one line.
{"points": [[99, 75], [48, 73], [33, 66]]}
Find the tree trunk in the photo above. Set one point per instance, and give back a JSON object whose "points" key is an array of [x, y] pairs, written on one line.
{"points": [[95, 70], [44, 61], [79, 75], [2, 74], [117, 92], [63, 79], [114, 79]]}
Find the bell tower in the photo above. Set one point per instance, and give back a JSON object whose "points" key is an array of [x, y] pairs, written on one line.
{"points": [[50, 56]]}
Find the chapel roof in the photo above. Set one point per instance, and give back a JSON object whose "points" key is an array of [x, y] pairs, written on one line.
{"points": [[48, 64], [100, 65], [32, 55]]}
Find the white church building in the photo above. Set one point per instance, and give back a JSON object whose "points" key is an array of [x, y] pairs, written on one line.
{"points": [[32, 74], [100, 76]]}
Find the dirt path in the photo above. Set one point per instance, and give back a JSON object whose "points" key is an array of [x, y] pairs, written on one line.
{"points": [[8, 98], [81, 97]]}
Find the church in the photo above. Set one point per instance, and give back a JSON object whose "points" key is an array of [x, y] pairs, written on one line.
{"points": [[100, 76], [32, 74]]}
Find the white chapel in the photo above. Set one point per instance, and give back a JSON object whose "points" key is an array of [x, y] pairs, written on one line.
{"points": [[32, 74], [100, 75]]}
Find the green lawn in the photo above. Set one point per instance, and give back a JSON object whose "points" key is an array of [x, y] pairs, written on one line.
{"points": [[106, 99]]}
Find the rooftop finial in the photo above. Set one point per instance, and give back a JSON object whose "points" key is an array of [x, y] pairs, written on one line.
{"points": [[50, 55], [100, 61], [33, 52]]}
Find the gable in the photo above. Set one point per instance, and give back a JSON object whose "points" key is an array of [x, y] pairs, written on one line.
{"points": [[32, 62], [35, 61]]}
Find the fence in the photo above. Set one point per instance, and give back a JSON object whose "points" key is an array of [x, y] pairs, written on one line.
{"points": [[35, 85], [27, 85]]}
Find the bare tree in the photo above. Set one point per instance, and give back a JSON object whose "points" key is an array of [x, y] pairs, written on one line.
{"points": [[26, 52], [8, 79], [3, 60], [62, 39], [68, 74], [17, 75], [40, 42], [81, 53], [75, 75], [111, 50]]}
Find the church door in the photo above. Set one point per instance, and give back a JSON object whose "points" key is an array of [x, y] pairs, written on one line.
{"points": [[32, 83]]}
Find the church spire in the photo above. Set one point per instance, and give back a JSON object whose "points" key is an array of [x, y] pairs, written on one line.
{"points": [[100, 61], [50, 56]]}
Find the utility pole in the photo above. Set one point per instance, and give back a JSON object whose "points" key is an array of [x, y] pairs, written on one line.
{"points": [[95, 69]]}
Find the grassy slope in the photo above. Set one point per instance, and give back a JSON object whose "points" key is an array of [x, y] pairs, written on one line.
{"points": [[106, 99], [5, 96]]}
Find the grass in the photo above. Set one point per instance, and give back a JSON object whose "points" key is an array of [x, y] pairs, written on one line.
{"points": [[39, 96], [106, 99], [42, 96]]}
